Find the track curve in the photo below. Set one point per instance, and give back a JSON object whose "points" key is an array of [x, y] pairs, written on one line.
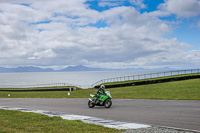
{"points": [[172, 113]]}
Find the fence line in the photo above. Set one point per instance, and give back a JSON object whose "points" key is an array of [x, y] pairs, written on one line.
{"points": [[53, 85], [147, 76], [39, 85]]}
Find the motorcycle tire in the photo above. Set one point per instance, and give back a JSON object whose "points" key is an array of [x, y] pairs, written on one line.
{"points": [[91, 104], [107, 103]]}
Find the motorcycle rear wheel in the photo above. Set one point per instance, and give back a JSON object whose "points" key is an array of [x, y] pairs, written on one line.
{"points": [[91, 104]]}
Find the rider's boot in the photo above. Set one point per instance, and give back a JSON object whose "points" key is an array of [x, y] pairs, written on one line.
{"points": [[94, 101]]}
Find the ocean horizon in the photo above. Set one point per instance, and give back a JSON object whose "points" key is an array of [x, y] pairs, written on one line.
{"points": [[83, 79]]}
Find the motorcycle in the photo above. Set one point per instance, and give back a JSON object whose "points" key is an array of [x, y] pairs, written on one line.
{"points": [[100, 100]]}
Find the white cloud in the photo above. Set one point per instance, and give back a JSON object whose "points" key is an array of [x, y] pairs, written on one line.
{"points": [[138, 3], [110, 3], [181, 8], [48, 53], [58, 33]]}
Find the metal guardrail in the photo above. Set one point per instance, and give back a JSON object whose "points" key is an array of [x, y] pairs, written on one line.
{"points": [[147, 76], [39, 85], [53, 85], [26, 90]]}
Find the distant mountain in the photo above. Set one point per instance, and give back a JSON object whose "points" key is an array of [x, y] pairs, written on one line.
{"points": [[80, 68], [68, 69], [38, 69], [32, 69], [25, 69], [5, 70]]}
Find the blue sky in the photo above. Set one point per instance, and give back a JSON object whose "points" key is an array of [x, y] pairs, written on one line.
{"points": [[100, 33], [187, 35], [184, 31], [150, 5]]}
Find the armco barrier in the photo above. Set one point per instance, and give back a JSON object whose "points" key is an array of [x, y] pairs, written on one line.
{"points": [[57, 89], [151, 81], [147, 76]]}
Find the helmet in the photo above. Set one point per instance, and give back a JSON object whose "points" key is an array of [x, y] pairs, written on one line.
{"points": [[102, 86]]}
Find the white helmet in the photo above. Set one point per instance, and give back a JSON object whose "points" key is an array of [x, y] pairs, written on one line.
{"points": [[102, 86]]}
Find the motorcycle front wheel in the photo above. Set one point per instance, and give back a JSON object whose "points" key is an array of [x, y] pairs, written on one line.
{"points": [[107, 103], [90, 104]]}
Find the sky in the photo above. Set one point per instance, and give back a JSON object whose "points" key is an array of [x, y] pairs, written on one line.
{"points": [[114, 34]]}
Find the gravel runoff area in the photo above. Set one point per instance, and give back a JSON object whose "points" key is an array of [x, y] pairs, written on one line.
{"points": [[157, 129]]}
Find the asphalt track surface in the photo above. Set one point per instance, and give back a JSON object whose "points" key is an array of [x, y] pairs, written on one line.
{"points": [[170, 113]]}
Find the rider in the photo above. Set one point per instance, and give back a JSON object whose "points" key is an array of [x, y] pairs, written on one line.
{"points": [[100, 92]]}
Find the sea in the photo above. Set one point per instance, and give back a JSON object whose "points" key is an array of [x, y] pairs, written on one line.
{"points": [[83, 79]]}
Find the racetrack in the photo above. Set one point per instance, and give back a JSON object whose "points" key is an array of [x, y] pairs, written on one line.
{"points": [[172, 113]]}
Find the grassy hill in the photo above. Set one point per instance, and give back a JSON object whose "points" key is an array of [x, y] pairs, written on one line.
{"points": [[178, 90]]}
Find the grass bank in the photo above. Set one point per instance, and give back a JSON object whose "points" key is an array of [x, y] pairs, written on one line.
{"points": [[151, 79], [21, 122], [177, 90]]}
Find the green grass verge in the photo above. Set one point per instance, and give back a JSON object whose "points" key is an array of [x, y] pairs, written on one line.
{"points": [[20, 122], [181, 90]]}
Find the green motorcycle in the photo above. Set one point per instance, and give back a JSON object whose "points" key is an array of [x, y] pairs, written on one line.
{"points": [[100, 100]]}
